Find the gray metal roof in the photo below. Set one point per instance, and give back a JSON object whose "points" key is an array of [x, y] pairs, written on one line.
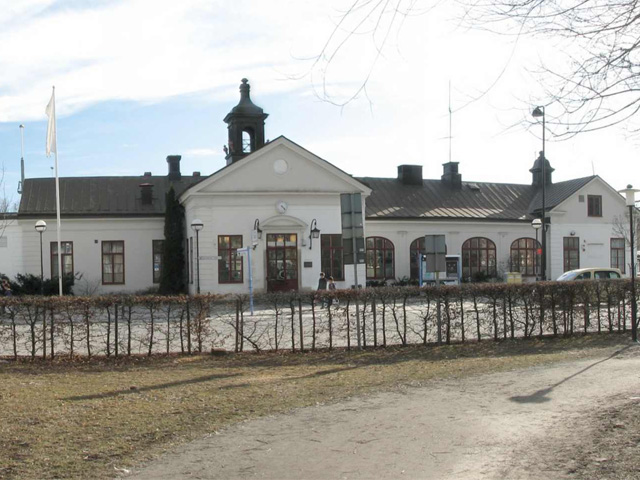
{"points": [[557, 193], [391, 199], [98, 196]]}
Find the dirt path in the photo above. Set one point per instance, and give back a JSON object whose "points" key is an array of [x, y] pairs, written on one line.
{"points": [[488, 427]]}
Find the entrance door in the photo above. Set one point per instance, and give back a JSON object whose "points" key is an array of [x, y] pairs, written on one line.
{"points": [[282, 262]]}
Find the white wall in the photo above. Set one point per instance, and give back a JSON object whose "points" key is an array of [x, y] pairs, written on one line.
{"points": [[11, 256], [570, 219], [231, 200], [87, 236], [227, 215]]}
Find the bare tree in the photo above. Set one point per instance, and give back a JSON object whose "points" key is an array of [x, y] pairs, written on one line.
{"points": [[599, 83], [596, 87], [620, 226], [7, 206]]}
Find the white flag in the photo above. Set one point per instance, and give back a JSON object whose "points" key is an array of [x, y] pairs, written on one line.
{"points": [[51, 128]]}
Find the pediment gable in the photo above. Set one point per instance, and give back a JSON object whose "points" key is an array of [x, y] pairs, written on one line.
{"points": [[280, 166]]}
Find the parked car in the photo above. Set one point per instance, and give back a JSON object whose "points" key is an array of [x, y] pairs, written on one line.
{"points": [[601, 273]]}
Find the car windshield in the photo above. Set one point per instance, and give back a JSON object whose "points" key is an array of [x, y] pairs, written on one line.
{"points": [[567, 276]]}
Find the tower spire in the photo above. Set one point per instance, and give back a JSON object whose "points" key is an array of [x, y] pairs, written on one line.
{"points": [[245, 125]]}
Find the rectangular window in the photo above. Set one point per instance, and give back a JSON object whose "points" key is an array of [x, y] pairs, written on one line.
{"points": [[617, 253], [158, 246], [67, 258], [331, 256], [594, 205], [571, 253], [113, 262], [230, 263]]}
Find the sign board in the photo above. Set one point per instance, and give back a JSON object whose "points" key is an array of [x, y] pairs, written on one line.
{"points": [[352, 228], [435, 252], [209, 257], [347, 250], [242, 251]]}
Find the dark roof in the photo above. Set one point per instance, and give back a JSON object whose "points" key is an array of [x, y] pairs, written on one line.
{"points": [[391, 199], [557, 193], [99, 196]]}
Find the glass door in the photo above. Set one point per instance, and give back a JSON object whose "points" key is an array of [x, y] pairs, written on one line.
{"points": [[282, 262]]}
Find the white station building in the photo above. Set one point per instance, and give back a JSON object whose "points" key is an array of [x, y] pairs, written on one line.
{"points": [[271, 197]]}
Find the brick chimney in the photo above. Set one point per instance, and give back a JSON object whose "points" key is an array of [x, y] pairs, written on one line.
{"points": [[450, 176], [174, 167], [410, 174]]}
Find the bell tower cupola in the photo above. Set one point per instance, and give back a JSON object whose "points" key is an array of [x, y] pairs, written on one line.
{"points": [[246, 126], [537, 172]]}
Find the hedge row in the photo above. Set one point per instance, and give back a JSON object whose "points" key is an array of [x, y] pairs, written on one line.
{"points": [[33, 326]]}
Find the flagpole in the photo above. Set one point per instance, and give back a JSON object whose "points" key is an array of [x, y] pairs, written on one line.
{"points": [[55, 133], [52, 144]]}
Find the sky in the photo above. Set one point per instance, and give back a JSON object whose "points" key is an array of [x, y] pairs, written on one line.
{"points": [[138, 80]]}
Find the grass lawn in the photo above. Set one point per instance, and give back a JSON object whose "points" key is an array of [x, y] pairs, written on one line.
{"points": [[91, 418]]}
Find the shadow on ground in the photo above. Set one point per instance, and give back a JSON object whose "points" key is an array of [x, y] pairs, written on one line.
{"points": [[541, 396]]}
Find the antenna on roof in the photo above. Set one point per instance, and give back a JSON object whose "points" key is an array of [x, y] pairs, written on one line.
{"points": [[593, 169], [21, 182], [450, 122]]}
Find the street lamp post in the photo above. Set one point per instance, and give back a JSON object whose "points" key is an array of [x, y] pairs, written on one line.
{"points": [[630, 194], [40, 227], [539, 112], [197, 225], [536, 223]]}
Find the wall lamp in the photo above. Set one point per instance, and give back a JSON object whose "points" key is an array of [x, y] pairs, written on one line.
{"points": [[314, 232], [256, 228]]}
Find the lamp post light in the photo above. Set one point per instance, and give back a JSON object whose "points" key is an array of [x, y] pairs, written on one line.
{"points": [[539, 112], [197, 225], [40, 227], [314, 232], [536, 223], [256, 228], [630, 194]]}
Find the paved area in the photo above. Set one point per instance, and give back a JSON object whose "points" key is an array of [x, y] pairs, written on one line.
{"points": [[477, 428]]}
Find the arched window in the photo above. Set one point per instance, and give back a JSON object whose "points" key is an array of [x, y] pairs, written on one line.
{"points": [[478, 258], [416, 247], [248, 144], [524, 257], [379, 258]]}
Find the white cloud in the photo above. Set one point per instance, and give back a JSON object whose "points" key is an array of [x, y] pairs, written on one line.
{"points": [[150, 50], [141, 50]]}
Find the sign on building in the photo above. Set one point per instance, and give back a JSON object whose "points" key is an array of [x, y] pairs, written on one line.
{"points": [[435, 250], [352, 228]]}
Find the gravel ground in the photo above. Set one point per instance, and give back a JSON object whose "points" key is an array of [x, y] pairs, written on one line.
{"points": [[572, 420]]}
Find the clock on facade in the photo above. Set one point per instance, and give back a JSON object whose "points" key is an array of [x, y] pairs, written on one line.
{"points": [[281, 206]]}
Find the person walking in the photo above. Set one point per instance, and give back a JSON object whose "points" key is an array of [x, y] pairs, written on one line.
{"points": [[331, 286], [6, 288], [322, 285]]}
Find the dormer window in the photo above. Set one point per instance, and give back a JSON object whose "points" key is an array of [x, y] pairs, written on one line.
{"points": [[594, 205]]}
